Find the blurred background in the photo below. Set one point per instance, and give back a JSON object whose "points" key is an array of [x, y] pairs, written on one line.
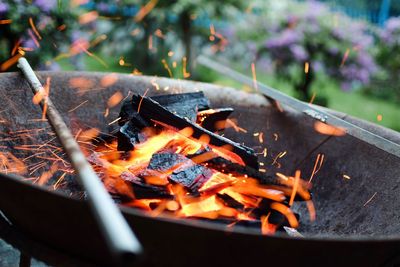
{"points": [[341, 54]]}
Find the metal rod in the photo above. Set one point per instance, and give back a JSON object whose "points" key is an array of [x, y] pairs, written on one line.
{"points": [[121, 241], [310, 110]]}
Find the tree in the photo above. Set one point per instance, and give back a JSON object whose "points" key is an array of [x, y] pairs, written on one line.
{"points": [[38, 29], [165, 25]]}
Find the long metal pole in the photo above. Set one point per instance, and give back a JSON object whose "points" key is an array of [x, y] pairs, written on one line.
{"points": [[121, 241], [351, 129]]}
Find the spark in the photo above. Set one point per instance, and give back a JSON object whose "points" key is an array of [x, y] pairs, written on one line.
{"points": [[98, 40], [109, 79], [34, 28], [88, 17], [135, 32], [212, 33], [33, 38], [151, 42], [5, 21], [345, 176], [78, 106], [295, 186], [317, 166], [164, 62], [253, 71], [327, 129], [261, 138], [141, 100], [312, 98], [59, 180], [234, 125], [145, 10], [159, 34], [121, 61], [61, 27], [106, 112], [311, 210], [185, 73], [46, 97], [115, 99], [16, 46], [370, 199], [287, 212], [11, 61], [156, 86], [114, 121], [345, 56], [306, 67]]}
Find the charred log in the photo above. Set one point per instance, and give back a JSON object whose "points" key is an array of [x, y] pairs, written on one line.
{"points": [[153, 111], [214, 119]]}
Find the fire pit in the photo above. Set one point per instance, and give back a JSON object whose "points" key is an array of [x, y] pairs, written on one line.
{"points": [[354, 192]]}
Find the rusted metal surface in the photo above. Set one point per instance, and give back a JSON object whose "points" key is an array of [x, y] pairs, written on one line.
{"points": [[346, 233]]}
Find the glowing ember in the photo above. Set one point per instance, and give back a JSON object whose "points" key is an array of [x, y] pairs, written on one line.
{"points": [[169, 171]]}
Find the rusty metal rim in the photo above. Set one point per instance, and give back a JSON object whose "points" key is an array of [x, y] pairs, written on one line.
{"points": [[217, 227]]}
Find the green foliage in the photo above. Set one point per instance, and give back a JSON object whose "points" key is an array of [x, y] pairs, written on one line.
{"points": [[287, 38], [386, 84], [47, 18], [169, 25]]}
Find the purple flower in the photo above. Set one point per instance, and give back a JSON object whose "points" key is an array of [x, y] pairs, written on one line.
{"points": [[298, 52], [364, 59], [286, 38], [393, 24], [3, 7], [317, 66], [45, 5], [28, 43], [102, 7]]}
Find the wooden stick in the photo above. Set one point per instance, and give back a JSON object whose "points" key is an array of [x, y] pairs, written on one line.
{"points": [[121, 241]]}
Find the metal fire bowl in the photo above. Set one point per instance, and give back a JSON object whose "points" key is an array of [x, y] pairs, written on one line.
{"points": [[349, 229]]}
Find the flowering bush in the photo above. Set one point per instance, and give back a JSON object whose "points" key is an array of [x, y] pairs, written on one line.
{"points": [[38, 27], [168, 26], [293, 36], [386, 83]]}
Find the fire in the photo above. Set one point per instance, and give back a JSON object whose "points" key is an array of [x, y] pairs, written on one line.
{"points": [[327, 129], [118, 170]]}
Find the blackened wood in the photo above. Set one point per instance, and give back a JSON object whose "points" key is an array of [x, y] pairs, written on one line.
{"points": [[230, 202], [184, 105], [192, 176], [142, 190], [210, 119], [155, 112], [164, 160], [130, 133], [226, 166]]}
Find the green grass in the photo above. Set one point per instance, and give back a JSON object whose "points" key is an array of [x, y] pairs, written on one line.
{"points": [[354, 103]]}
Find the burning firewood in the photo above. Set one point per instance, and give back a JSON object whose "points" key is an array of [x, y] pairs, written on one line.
{"points": [[172, 164]]}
